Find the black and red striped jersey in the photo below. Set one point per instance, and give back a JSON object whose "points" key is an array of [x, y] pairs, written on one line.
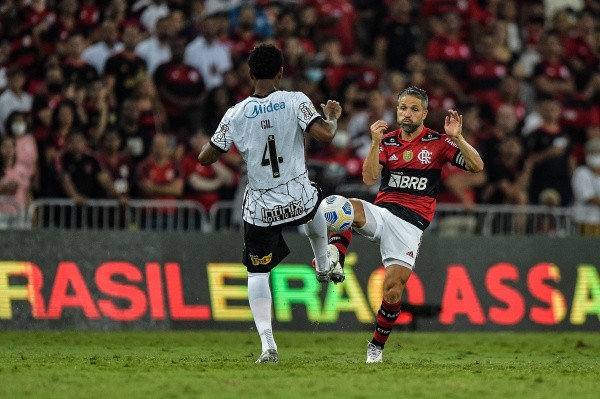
{"points": [[411, 172]]}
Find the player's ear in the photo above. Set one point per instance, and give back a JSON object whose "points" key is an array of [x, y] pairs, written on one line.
{"points": [[280, 74], [425, 113], [251, 75]]}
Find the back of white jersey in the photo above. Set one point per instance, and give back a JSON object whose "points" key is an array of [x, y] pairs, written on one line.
{"points": [[268, 133]]}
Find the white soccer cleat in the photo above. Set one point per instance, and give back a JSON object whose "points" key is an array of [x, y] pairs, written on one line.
{"points": [[374, 353], [336, 273], [268, 356]]}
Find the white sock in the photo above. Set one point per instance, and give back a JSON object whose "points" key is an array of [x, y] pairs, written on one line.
{"points": [[259, 297], [316, 231]]}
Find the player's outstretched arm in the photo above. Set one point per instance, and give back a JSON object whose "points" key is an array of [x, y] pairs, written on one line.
{"points": [[324, 130], [208, 155], [371, 167], [453, 128]]}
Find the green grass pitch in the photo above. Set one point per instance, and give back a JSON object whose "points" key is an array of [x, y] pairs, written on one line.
{"points": [[201, 364]]}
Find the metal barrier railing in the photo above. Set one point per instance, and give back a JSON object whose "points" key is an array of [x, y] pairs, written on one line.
{"points": [[182, 215], [494, 220], [11, 215], [176, 215]]}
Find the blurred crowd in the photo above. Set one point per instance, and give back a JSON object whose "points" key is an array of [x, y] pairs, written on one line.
{"points": [[114, 99]]}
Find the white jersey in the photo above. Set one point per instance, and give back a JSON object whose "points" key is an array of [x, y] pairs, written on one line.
{"points": [[268, 133]]}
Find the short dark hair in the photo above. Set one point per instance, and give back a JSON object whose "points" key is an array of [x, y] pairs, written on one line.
{"points": [[415, 92], [265, 61]]}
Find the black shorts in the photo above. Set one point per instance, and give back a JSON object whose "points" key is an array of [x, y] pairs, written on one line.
{"points": [[265, 247]]}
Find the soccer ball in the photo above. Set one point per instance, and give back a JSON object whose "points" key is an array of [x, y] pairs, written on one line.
{"points": [[338, 212]]}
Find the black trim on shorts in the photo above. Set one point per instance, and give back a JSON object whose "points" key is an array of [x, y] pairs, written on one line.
{"points": [[267, 245], [405, 214]]}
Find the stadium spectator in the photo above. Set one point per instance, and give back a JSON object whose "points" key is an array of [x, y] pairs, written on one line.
{"points": [[76, 70], [14, 98], [486, 70], [152, 13], [96, 54], [586, 191], [242, 39], [548, 150], [80, 174], [51, 34], [402, 211], [136, 143], [180, 89], [507, 174], [64, 122], [26, 149], [124, 70], [450, 47], [218, 101], [159, 178], [208, 54], [4, 54], [15, 179], [89, 16], [116, 163], [152, 113], [155, 49], [337, 18], [489, 139], [45, 102], [202, 183], [358, 125], [552, 76], [507, 15], [98, 113], [398, 27]]}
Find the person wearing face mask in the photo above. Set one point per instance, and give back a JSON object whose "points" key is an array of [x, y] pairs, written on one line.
{"points": [[586, 191], [26, 151]]}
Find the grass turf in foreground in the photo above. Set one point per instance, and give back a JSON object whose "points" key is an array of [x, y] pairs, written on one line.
{"points": [[314, 365]]}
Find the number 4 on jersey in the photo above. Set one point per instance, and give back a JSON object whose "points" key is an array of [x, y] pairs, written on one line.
{"points": [[270, 156]]}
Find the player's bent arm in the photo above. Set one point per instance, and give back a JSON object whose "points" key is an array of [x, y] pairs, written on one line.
{"points": [[473, 161], [323, 130], [371, 167], [209, 155]]}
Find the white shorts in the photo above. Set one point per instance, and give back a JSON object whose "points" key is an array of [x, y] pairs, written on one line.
{"points": [[398, 240]]}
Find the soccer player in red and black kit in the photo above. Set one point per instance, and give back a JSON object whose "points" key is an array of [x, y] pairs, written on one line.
{"points": [[409, 161]]}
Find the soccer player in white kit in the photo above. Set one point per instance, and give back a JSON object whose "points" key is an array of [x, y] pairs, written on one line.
{"points": [[268, 130]]}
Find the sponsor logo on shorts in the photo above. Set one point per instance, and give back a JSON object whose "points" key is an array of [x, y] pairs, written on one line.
{"points": [[265, 260], [411, 254], [282, 212]]}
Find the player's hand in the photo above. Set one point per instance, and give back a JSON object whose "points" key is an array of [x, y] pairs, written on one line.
{"points": [[332, 110], [377, 130], [453, 124]]}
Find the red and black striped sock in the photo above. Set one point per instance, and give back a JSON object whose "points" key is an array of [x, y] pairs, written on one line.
{"points": [[386, 317], [341, 241]]}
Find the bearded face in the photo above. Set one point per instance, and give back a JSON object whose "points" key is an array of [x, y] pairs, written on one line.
{"points": [[410, 113]]}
